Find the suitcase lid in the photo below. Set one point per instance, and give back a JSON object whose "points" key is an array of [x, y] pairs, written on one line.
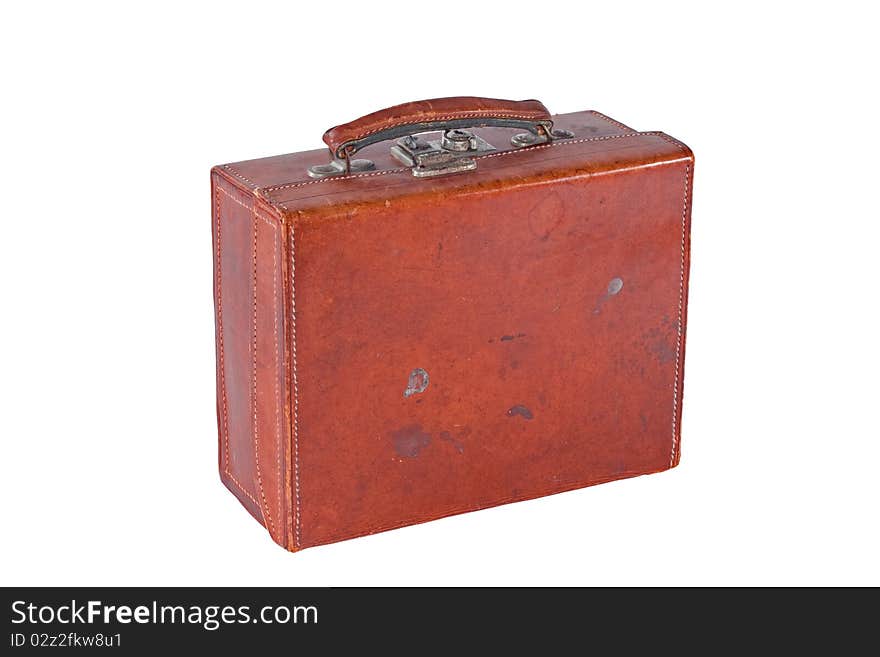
{"points": [[396, 149]]}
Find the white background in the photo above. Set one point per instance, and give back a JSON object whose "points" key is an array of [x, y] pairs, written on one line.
{"points": [[111, 117]]}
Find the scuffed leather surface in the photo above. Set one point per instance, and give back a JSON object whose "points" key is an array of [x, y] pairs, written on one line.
{"points": [[437, 109], [544, 296]]}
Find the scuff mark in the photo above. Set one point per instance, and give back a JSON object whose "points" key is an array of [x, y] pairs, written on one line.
{"points": [[665, 352], [418, 382], [658, 343], [521, 410], [546, 216], [508, 338], [410, 440], [445, 435], [615, 285]]}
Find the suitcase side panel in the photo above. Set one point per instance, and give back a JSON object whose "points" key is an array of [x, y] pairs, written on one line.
{"points": [[488, 347], [249, 293]]}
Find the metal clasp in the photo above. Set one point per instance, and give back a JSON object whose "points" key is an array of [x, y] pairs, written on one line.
{"points": [[452, 153]]}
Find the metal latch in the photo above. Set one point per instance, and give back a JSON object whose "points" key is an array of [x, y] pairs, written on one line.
{"points": [[452, 153]]}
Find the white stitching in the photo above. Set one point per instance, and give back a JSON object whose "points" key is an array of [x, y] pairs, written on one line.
{"points": [[673, 141], [226, 469], [297, 530], [566, 142], [608, 119], [264, 508], [266, 190], [249, 208], [561, 142], [684, 209], [240, 176], [277, 365], [241, 488], [273, 224], [220, 335]]}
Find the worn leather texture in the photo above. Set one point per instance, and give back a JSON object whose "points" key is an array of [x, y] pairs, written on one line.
{"points": [[393, 349]]}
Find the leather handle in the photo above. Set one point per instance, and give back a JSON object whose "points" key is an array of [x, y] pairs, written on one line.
{"points": [[436, 114]]}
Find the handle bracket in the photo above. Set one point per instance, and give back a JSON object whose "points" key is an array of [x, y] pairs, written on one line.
{"points": [[451, 116]]}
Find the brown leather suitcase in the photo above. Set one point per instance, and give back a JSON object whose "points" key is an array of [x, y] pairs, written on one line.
{"points": [[487, 304]]}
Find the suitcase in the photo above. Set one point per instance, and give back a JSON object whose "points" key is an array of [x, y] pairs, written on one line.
{"points": [[467, 302]]}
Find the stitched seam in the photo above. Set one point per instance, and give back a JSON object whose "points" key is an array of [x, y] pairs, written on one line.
{"points": [[684, 209], [451, 117], [249, 208], [240, 176], [563, 142], [277, 364], [226, 470], [264, 508], [608, 119], [385, 172], [273, 224], [673, 141], [241, 488], [225, 428], [296, 515], [567, 142]]}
